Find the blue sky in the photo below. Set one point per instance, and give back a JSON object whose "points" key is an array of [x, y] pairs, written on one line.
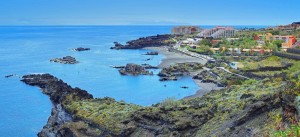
{"points": [[148, 12]]}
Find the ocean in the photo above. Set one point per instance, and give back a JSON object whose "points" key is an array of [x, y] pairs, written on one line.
{"points": [[28, 49]]}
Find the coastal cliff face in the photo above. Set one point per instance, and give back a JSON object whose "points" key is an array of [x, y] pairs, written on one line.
{"points": [[255, 108], [151, 41], [57, 90]]}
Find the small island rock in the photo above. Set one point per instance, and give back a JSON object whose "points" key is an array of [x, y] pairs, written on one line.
{"points": [[65, 60], [81, 49], [134, 69]]}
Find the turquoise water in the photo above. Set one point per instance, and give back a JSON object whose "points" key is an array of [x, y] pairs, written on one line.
{"points": [[26, 50]]}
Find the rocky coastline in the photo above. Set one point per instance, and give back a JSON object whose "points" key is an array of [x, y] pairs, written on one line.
{"points": [[237, 111], [161, 44], [172, 58], [244, 108], [151, 41], [57, 90]]}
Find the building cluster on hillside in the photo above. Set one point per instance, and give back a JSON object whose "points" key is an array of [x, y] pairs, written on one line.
{"points": [[218, 32], [191, 41], [256, 50], [290, 27], [288, 41], [181, 30]]}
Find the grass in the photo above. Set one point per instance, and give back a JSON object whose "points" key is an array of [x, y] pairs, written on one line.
{"points": [[170, 102], [106, 113], [272, 61], [267, 73]]}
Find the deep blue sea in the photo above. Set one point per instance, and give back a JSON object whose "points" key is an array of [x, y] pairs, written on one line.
{"points": [[28, 49]]}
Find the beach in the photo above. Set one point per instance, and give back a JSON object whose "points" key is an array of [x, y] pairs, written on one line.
{"points": [[172, 58]]}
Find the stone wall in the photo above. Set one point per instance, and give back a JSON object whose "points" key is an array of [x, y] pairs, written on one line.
{"points": [[285, 55]]}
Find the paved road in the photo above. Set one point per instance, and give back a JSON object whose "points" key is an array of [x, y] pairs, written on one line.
{"points": [[184, 50]]}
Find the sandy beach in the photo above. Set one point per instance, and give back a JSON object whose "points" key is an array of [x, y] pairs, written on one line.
{"points": [[172, 58]]}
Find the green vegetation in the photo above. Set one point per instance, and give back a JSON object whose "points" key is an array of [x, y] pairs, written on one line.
{"points": [[272, 61], [277, 43], [252, 33], [292, 131], [273, 32], [267, 73], [204, 42], [170, 103], [184, 67], [106, 113], [201, 50]]}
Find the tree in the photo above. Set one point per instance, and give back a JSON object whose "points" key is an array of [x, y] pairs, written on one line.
{"points": [[271, 46], [277, 43], [205, 42], [274, 32]]}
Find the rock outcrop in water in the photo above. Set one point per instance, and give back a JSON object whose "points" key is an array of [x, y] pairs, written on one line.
{"points": [[146, 66], [81, 49], [65, 60], [151, 53], [178, 70], [151, 41], [134, 69], [251, 109]]}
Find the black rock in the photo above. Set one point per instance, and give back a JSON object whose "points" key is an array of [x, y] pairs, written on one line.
{"points": [[168, 78], [65, 60], [151, 53], [147, 66], [57, 90], [81, 49], [151, 41], [134, 69], [8, 76], [185, 87]]}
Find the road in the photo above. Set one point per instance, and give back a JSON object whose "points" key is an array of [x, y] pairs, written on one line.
{"points": [[184, 50]]}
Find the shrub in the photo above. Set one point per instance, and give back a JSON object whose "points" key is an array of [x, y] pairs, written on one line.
{"points": [[170, 102]]}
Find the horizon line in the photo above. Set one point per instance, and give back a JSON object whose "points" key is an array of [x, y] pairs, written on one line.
{"points": [[129, 25]]}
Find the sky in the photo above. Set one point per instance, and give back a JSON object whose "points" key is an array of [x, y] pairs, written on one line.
{"points": [[149, 12]]}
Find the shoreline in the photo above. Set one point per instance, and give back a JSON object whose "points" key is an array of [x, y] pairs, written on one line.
{"points": [[171, 58]]}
